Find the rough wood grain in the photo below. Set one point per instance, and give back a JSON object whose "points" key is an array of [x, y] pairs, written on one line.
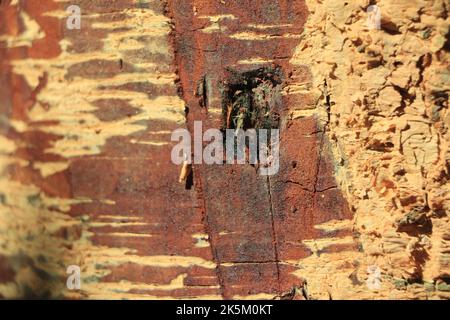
{"points": [[86, 177]]}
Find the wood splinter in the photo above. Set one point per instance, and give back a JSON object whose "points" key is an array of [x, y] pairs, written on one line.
{"points": [[185, 171]]}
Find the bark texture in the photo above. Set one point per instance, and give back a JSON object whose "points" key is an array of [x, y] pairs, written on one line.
{"points": [[85, 171]]}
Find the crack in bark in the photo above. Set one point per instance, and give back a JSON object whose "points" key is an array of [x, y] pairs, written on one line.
{"points": [[197, 177], [274, 235], [309, 190], [322, 139], [254, 262], [206, 224]]}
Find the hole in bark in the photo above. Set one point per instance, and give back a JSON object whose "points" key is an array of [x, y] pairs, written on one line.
{"points": [[252, 99]]}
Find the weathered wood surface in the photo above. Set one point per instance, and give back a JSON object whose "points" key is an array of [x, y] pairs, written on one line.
{"points": [[256, 224], [86, 177]]}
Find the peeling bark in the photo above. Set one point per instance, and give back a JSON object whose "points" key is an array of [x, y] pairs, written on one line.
{"points": [[86, 177]]}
